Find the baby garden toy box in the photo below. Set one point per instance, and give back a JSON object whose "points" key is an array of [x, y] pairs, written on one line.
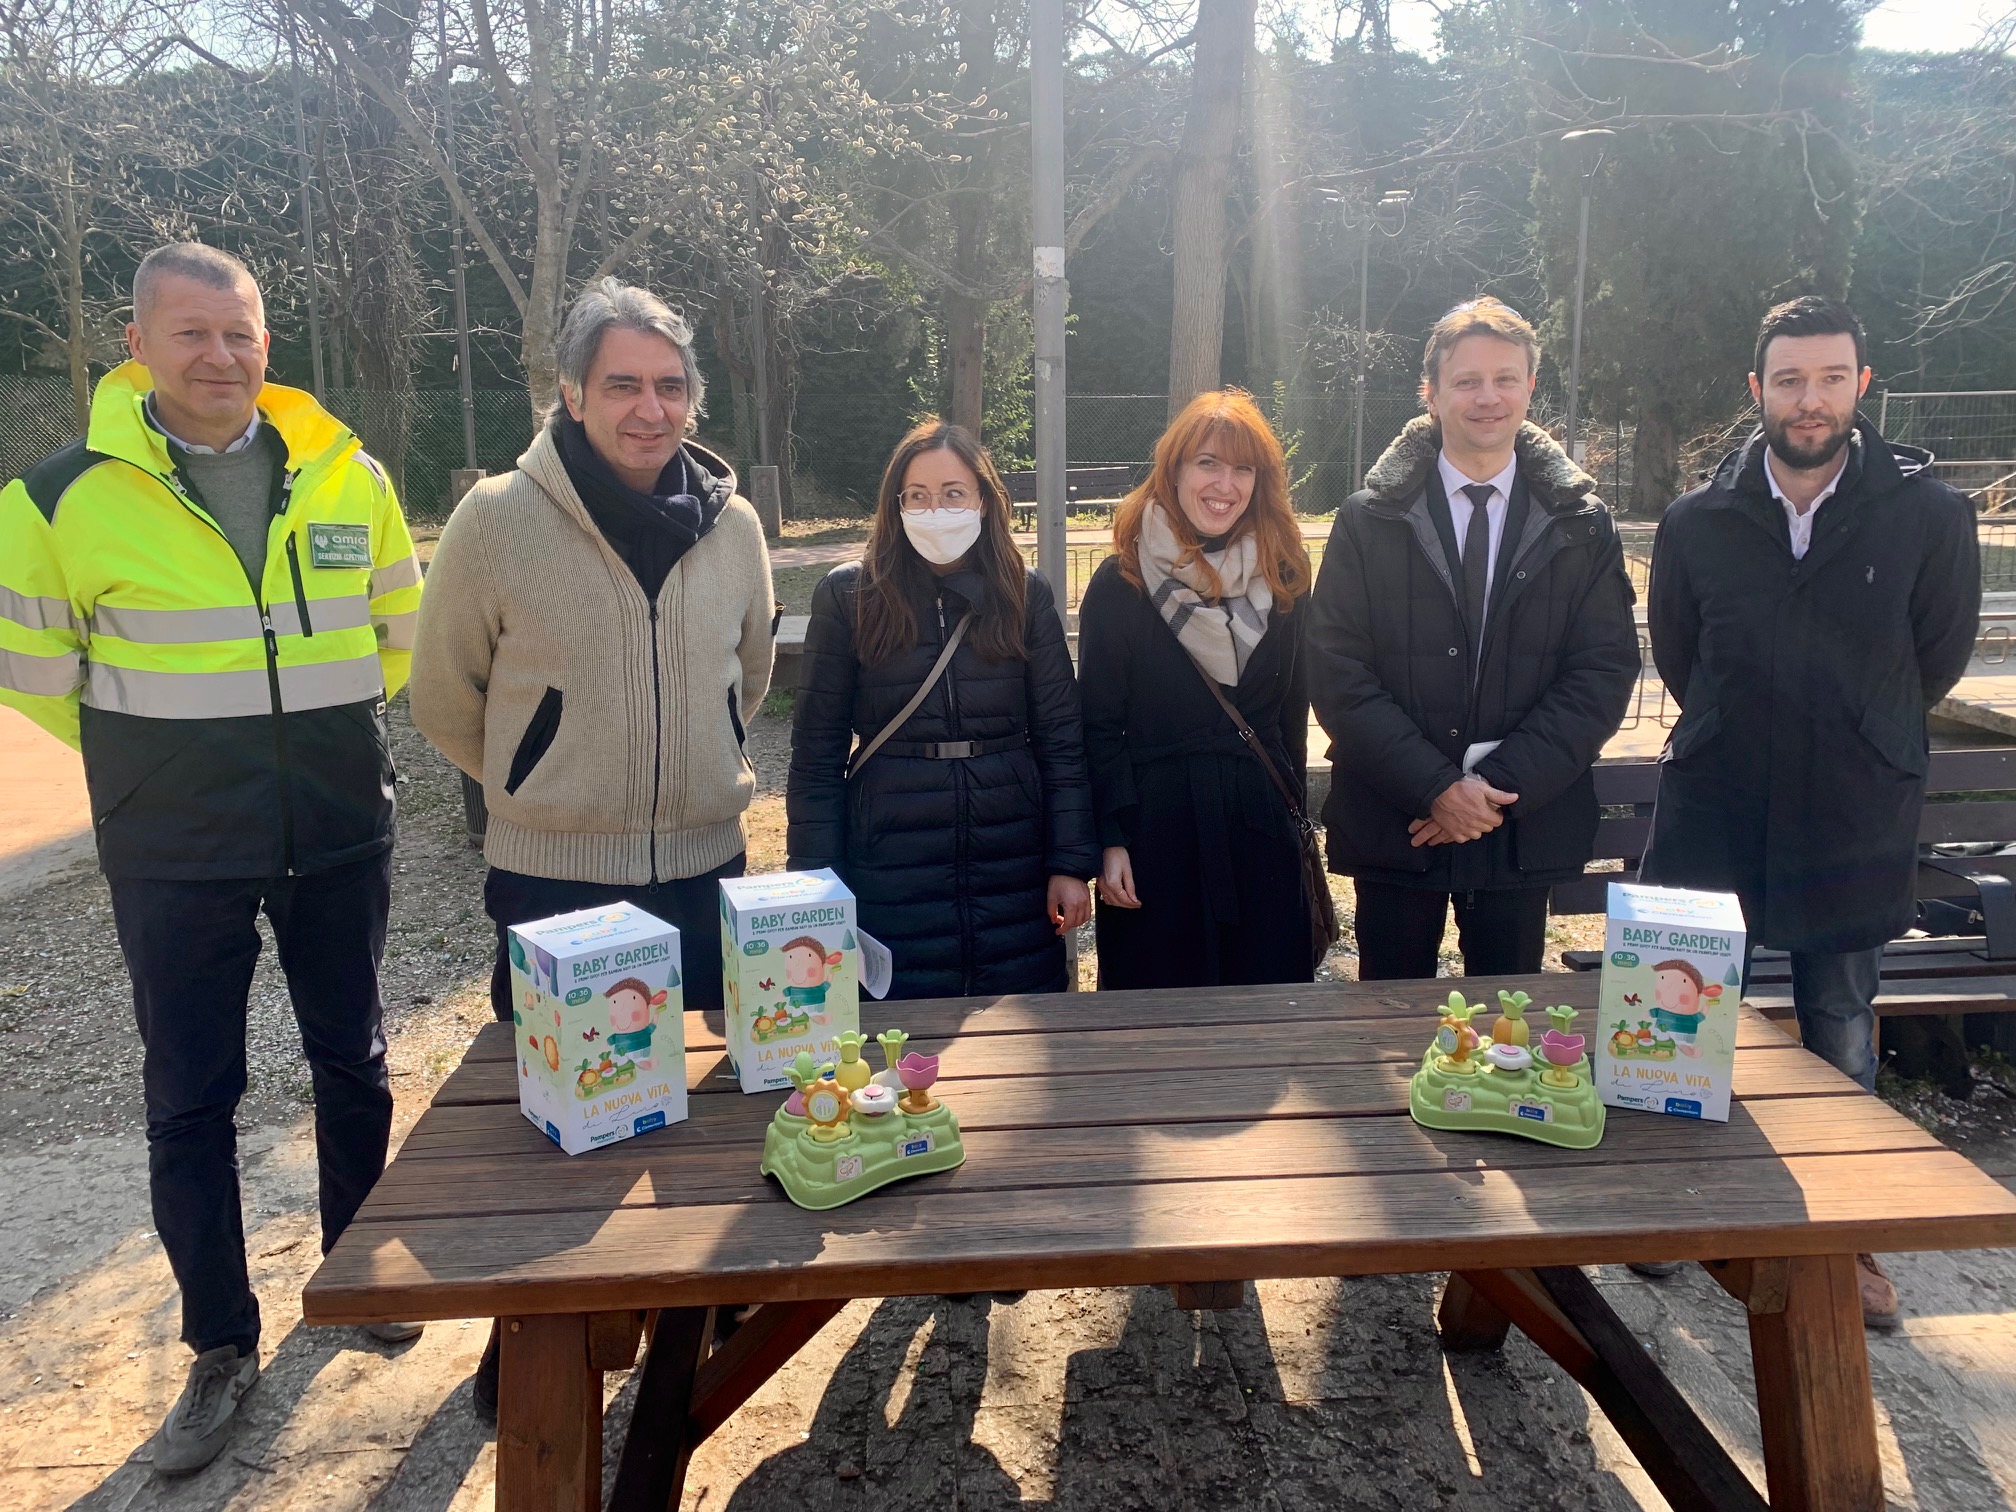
{"points": [[1666, 1020], [601, 1025], [790, 971]]}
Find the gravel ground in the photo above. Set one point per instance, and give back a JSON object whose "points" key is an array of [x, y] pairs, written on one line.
{"points": [[66, 1011]]}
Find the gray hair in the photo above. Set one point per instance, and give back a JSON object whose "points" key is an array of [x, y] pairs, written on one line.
{"points": [[188, 259], [609, 302]]}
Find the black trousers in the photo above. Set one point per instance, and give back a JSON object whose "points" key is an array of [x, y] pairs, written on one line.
{"points": [[1504, 930], [691, 905], [190, 948]]}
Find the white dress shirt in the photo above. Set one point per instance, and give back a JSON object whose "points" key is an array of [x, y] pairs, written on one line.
{"points": [[154, 419], [1802, 523], [1495, 509]]}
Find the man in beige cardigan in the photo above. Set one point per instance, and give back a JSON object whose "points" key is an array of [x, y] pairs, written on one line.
{"points": [[597, 629]]}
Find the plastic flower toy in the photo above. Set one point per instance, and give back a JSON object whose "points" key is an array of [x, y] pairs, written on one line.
{"points": [[918, 1073], [1565, 1052]]}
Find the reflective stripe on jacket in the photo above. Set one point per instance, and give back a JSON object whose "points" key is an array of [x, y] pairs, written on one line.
{"points": [[228, 728]]}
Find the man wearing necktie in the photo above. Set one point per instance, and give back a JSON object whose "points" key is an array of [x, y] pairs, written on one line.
{"points": [[1471, 648]]}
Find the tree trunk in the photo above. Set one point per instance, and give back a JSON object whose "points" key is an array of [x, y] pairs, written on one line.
{"points": [[542, 302], [1275, 317], [965, 359], [972, 219], [1204, 165], [1655, 463], [76, 315]]}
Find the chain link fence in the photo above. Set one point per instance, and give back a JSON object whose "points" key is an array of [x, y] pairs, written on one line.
{"points": [[1972, 437]]}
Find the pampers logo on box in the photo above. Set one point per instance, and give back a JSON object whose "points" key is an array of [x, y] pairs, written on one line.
{"points": [[790, 971], [1666, 1018], [598, 1014]]}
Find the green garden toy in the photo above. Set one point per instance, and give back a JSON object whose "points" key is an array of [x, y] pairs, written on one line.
{"points": [[1503, 1086], [830, 1142]]}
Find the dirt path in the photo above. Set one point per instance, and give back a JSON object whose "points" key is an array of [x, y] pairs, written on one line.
{"points": [[1315, 1395], [45, 818]]}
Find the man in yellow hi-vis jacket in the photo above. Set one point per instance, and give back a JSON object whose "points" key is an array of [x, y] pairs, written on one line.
{"points": [[212, 596]]}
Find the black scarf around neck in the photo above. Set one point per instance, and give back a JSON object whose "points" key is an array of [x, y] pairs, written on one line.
{"points": [[651, 532]]}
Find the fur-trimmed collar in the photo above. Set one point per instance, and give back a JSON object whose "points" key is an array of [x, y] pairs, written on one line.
{"points": [[1550, 473]]}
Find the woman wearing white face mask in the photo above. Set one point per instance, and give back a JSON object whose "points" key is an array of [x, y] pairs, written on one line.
{"points": [[937, 762]]}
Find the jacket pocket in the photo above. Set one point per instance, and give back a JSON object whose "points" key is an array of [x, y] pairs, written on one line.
{"points": [[735, 719], [1901, 748], [536, 741], [1693, 733]]}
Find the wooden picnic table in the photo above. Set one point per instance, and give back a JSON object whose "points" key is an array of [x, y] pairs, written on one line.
{"points": [[1197, 1139]]}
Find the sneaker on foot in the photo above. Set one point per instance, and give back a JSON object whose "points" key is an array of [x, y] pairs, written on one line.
{"points": [[198, 1426], [394, 1333], [1658, 1270], [1879, 1294]]}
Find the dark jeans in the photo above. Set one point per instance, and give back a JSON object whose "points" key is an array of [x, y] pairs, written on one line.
{"points": [[190, 948], [1834, 995], [691, 905], [1504, 930]]}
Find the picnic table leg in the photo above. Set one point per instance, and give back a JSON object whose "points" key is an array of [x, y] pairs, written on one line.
{"points": [[686, 1393], [1560, 1309], [549, 1417], [1467, 1319], [1813, 1395]]}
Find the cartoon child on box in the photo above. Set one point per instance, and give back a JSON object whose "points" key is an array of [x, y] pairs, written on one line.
{"points": [[1681, 1001], [805, 965], [630, 1021]]}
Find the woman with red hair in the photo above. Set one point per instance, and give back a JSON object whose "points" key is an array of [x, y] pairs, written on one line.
{"points": [[1201, 882]]}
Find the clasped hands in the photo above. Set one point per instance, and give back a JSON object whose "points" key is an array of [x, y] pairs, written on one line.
{"points": [[1465, 810]]}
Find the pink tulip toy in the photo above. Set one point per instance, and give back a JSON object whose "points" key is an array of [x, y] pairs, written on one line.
{"points": [[1564, 1052], [918, 1073]]}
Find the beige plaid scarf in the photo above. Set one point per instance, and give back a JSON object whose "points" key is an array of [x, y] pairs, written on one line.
{"points": [[1220, 633]]}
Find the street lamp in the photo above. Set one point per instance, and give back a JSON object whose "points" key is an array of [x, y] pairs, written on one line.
{"points": [[1596, 137], [1392, 207]]}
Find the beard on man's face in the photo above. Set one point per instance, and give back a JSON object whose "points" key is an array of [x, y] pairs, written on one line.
{"points": [[1798, 451]]}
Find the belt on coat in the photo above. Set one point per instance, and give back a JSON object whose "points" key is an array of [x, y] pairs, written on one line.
{"points": [[952, 750]]}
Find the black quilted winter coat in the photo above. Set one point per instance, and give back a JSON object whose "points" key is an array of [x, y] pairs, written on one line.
{"points": [[949, 859]]}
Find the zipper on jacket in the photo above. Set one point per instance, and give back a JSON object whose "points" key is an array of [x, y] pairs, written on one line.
{"points": [[958, 819], [300, 593], [180, 486], [657, 741]]}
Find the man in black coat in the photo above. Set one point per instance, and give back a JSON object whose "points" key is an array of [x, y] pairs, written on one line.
{"points": [[1470, 649], [1809, 603]]}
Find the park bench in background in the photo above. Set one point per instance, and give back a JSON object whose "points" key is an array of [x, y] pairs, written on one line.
{"points": [[1967, 964], [1092, 487]]}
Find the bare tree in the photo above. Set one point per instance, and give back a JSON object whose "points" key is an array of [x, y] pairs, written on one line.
{"points": [[1205, 165], [74, 137]]}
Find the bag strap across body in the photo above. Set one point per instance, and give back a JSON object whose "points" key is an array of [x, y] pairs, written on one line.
{"points": [[860, 757], [1324, 928], [1252, 742]]}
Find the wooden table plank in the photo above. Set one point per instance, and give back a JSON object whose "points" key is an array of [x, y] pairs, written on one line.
{"points": [[1291, 1044], [648, 1173], [903, 1242], [1110, 1099]]}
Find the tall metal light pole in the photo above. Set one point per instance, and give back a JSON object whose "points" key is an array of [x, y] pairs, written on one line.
{"points": [[1393, 200], [1046, 186], [1596, 137], [468, 379]]}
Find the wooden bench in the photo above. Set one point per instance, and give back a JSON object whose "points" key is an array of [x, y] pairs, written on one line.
{"points": [[1100, 486], [1951, 974]]}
